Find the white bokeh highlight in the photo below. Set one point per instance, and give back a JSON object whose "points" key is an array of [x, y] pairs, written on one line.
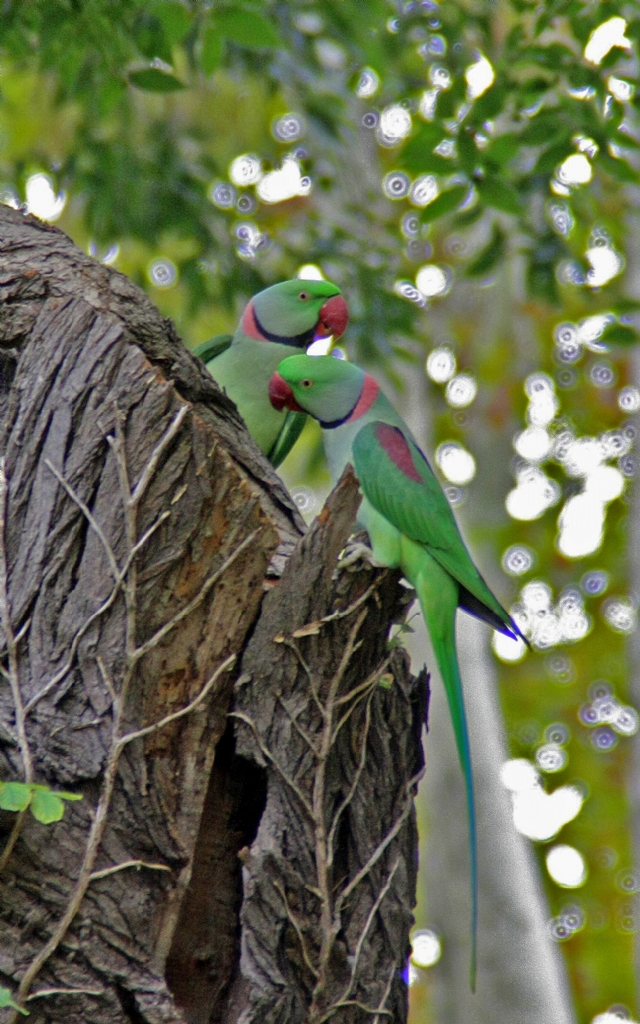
{"points": [[427, 104], [566, 866], [612, 1018], [603, 38], [546, 624], [575, 170], [534, 493], [283, 183], [245, 170], [424, 190], [581, 521], [431, 281], [42, 200], [441, 364], [619, 88], [426, 947], [368, 84], [537, 814], [310, 272], [456, 463], [479, 77], [533, 444], [606, 263], [461, 390], [394, 125], [507, 649]]}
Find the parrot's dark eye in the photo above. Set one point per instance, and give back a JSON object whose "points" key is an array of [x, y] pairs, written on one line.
{"points": [[306, 383], [303, 296]]}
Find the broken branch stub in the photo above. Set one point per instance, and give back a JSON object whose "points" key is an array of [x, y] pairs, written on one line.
{"points": [[334, 718]]}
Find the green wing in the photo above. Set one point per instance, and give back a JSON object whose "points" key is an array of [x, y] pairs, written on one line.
{"points": [[291, 430], [399, 482], [208, 350]]}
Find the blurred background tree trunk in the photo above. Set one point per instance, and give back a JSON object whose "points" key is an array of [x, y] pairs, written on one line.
{"points": [[521, 974]]}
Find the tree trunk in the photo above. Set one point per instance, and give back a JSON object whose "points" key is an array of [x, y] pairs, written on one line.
{"points": [[522, 977], [633, 556], [142, 541]]}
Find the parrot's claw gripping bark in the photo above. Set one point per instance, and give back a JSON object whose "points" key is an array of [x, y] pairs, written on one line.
{"points": [[355, 551]]}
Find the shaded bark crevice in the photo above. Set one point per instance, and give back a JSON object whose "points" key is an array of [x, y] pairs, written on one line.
{"points": [[154, 561], [203, 961]]}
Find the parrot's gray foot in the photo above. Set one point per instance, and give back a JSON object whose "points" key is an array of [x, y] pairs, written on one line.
{"points": [[354, 552], [356, 555]]}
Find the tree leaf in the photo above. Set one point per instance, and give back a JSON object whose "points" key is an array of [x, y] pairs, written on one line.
{"points": [[444, 203], [620, 334], [15, 796], [470, 216], [6, 1000], [151, 41], [419, 149], [247, 28], [625, 140], [155, 80], [547, 127], [110, 91], [175, 19], [541, 276], [619, 169], [490, 255], [551, 157], [490, 103], [449, 100], [212, 49], [624, 305], [327, 111], [499, 194], [503, 148], [468, 156], [47, 806], [581, 76], [435, 164]]}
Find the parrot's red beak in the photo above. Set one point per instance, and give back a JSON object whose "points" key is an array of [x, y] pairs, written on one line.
{"points": [[281, 395], [334, 317]]}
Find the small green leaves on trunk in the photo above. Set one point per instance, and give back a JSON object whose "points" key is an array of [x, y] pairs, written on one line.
{"points": [[45, 804]]}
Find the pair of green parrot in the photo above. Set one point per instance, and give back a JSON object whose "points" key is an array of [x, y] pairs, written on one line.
{"points": [[404, 509]]}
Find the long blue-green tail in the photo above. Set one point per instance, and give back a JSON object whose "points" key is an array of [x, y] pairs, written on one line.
{"points": [[438, 595]]}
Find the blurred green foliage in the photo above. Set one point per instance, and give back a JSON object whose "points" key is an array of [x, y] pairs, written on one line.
{"points": [[134, 109]]}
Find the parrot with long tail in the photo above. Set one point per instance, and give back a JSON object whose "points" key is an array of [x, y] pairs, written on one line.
{"points": [[409, 522], [282, 319]]}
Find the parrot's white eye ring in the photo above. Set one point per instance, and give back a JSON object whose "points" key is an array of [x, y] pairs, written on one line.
{"points": [[303, 296], [306, 383]]}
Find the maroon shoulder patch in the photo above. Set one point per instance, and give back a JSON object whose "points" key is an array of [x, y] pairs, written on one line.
{"points": [[397, 448]]}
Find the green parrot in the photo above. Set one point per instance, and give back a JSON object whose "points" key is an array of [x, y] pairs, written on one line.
{"points": [[409, 522], [285, 317]]}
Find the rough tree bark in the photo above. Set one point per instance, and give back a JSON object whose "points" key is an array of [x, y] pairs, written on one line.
{"points": [[202, 878]]}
